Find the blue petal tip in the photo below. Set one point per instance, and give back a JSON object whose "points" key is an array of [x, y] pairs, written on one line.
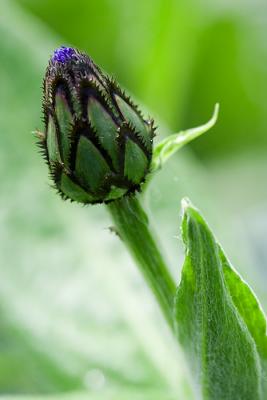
{"points": [[63, 54]]}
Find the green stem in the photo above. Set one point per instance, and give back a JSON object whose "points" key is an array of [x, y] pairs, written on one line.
{"points": [[131, 223]]}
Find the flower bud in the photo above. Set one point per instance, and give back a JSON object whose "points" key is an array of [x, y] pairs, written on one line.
{"points": [[97, 145]]}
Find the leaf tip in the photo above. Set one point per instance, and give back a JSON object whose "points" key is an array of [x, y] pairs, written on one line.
{"points": [[191, 213], [185, 203], [215, 114]]}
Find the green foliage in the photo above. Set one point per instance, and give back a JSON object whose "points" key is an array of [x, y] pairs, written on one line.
{"points": [[217, 318], [63, 314], [121, 394]]}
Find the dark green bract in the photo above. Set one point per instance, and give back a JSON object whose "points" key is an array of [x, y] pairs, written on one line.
{"points": [[96, 142]]}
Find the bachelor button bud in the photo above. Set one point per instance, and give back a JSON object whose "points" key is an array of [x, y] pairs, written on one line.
{"points": [[96, 142]]}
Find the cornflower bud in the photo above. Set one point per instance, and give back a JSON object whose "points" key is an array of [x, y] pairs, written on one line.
{"points": [[97, 145]]}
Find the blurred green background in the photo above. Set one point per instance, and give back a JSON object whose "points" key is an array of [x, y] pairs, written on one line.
{"points": [[76, 319]]}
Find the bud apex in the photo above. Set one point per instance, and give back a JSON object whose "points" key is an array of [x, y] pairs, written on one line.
{"points": [[96, 143]]}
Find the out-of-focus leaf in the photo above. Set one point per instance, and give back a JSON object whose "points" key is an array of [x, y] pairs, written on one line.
{"points": [[25, 367], [236, 77], [168, 146], [121, 394], [208, 322]]}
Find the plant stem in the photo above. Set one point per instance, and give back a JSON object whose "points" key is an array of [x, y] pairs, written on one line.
{"points": [[132, 225]]}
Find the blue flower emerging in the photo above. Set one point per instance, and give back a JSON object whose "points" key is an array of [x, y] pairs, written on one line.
{"points": [[63, 54]]}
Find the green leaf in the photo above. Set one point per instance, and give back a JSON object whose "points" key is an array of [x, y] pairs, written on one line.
{"points": [[249, 309], [168, 146], [219, 339], [247, 304]]}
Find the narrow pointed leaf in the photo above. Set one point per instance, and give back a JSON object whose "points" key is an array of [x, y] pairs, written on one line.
{"points": [[208, 322], [168, 146]]}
